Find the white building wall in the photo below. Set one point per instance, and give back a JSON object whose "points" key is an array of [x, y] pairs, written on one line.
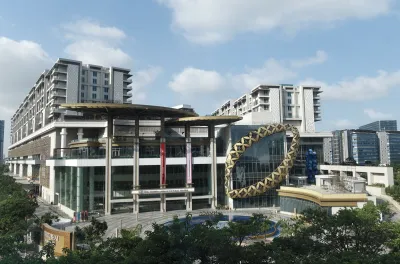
{"points": [[275, 105], [308, 110], [72, 83], [118, 86]]}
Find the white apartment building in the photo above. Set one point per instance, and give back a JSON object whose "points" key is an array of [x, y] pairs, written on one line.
{"points": [[68, 81], [296, 105]]}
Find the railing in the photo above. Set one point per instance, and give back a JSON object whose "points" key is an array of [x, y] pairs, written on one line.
{"points": [[85, 140], [103, 101]]}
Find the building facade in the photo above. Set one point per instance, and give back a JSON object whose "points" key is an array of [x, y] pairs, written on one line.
{"points": [[296, 105], [360, 145], [389, 147], [1, 141], [381, 125], [68, 81]]}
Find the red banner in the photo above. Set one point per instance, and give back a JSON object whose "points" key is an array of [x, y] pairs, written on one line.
{"points": [[188, 163], [163, 168]]}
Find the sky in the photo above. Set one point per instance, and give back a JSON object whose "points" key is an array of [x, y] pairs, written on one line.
{"points": [[205, 52]]}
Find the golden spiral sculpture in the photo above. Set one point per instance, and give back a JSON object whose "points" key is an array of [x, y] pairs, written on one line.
{"points": [[273, 179]]}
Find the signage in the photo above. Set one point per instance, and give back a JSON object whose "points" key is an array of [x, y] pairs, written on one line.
{"points": [[161, 191], [48, 237], [189, 163], [163, 165]]}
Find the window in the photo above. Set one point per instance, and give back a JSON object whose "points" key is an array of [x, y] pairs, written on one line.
{"points": [[94, 74], [105, 82], [83, 79], [289, 115], [289, 94], [83, 72], [289, 101], [94, 81], [83, 87], [94, 89], [82, 95], [106, 75], [289, 108], [105, 90], [94, 96], [106, 97]]}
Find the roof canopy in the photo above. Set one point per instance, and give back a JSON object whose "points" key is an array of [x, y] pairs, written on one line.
{"points": [[203, 120], [128, 110]]}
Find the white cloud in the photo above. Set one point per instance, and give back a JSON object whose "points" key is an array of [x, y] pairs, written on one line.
{"points": [[376, 115], [360, 88], [21, 63], [87, 28], [142, 79], [213, 21], [192, 81], [93, 43], [342, 123], [320, 57]]}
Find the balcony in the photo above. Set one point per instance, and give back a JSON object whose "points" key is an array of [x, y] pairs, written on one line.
{"points": [[61, 78], [126, 80]]}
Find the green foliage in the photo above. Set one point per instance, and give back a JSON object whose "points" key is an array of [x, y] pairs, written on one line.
{"points": [[92, 233], [48, 218]]}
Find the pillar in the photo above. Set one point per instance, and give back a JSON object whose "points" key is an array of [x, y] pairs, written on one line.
{"points": [[189, 167], [213, 154], [60, 185], [29, 171], [163, 176], [71, 185], [91, 189], [66, 191], [15, 171], [369, 178], [63, 134], [136, 159], [21, 170], [285, 150], [80, 133], [107, 194], [79, 189]]}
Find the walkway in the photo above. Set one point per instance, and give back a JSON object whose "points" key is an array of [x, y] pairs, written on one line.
{"points": [[129, 220]]}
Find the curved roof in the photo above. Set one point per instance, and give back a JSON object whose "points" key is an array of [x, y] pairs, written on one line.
{"points": [[128, 110], [203, 120]]}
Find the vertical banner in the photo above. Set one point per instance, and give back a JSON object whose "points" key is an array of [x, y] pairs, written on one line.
{"points": [[163, 168], [188, 162]]}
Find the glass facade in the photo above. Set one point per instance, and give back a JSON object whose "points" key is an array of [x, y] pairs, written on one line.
{"points": [[382, 125], [365, 147], [256, 163], [393, 145], [306, 143], [295, 205]]}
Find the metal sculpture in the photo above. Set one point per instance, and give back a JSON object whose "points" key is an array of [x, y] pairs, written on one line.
{"points": [[273, 179], [311, 165]]}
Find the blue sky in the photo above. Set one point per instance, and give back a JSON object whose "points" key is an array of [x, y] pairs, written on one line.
{"points": [[206, 52]]}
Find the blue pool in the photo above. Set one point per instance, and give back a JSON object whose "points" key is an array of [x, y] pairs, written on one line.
{"points": [[274, 231]]}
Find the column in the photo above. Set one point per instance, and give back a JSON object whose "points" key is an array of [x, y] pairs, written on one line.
{"points": [[189, 167], [63, 134], [29, 171], [71, 186], [91, 189], [369, 178], [61, 185], [285, 149], [163, 176], [15, 172], [21, 170], [136, 159], [79, 189], [107, 194], [213, 154], [80, 133], [66, 191]]}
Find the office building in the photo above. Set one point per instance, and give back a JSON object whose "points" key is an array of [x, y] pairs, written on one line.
{"points": [[1, 141], [360, 145], [328, 147], [389, 147], [382, 125], [68, 81], [296, 105]]}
